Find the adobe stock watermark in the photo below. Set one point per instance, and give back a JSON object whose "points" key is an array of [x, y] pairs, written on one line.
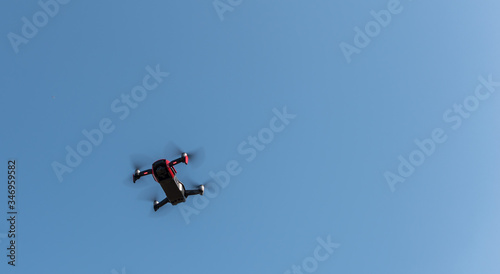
{"points": [[248, 149], [223, 6], [121, 106], [321, 253], [114, 271], [48, 9], [372, 29], [454, 117]]}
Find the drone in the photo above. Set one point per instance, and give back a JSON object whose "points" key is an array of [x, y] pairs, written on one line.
{"points": [[164, 173]]}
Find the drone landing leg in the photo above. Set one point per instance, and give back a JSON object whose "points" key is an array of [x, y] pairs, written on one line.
{"points": [[160, 204]]}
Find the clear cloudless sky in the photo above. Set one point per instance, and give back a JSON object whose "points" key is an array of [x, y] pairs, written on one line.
{"points": [[321, 176]]}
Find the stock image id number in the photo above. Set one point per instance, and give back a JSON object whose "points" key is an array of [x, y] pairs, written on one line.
{"points": [[12, 184]]}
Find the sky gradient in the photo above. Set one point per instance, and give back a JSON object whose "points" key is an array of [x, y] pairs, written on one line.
{"points": [[299, 136]]}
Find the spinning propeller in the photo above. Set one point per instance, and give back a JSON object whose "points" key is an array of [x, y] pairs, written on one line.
{"points": [[150, 195], [195, 156], [153, 194]]}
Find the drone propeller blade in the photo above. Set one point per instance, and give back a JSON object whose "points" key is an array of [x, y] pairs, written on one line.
{"points": [[212, 187], [162, 211], [128, 182], [196, 156], [208, 184], [150, 195], [172, 149], [139, 161]]}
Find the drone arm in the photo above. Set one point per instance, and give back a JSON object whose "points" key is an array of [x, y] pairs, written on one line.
{"points": [[183, 159], [199, 191], [176, 161], [138, 174], [160, 204], [145, 172]]}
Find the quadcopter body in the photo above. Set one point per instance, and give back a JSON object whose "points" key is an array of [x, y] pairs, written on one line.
{"points": [[164, 173]]}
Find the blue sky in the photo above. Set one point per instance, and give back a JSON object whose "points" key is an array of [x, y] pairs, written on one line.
{"points": [[315, 198]]}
